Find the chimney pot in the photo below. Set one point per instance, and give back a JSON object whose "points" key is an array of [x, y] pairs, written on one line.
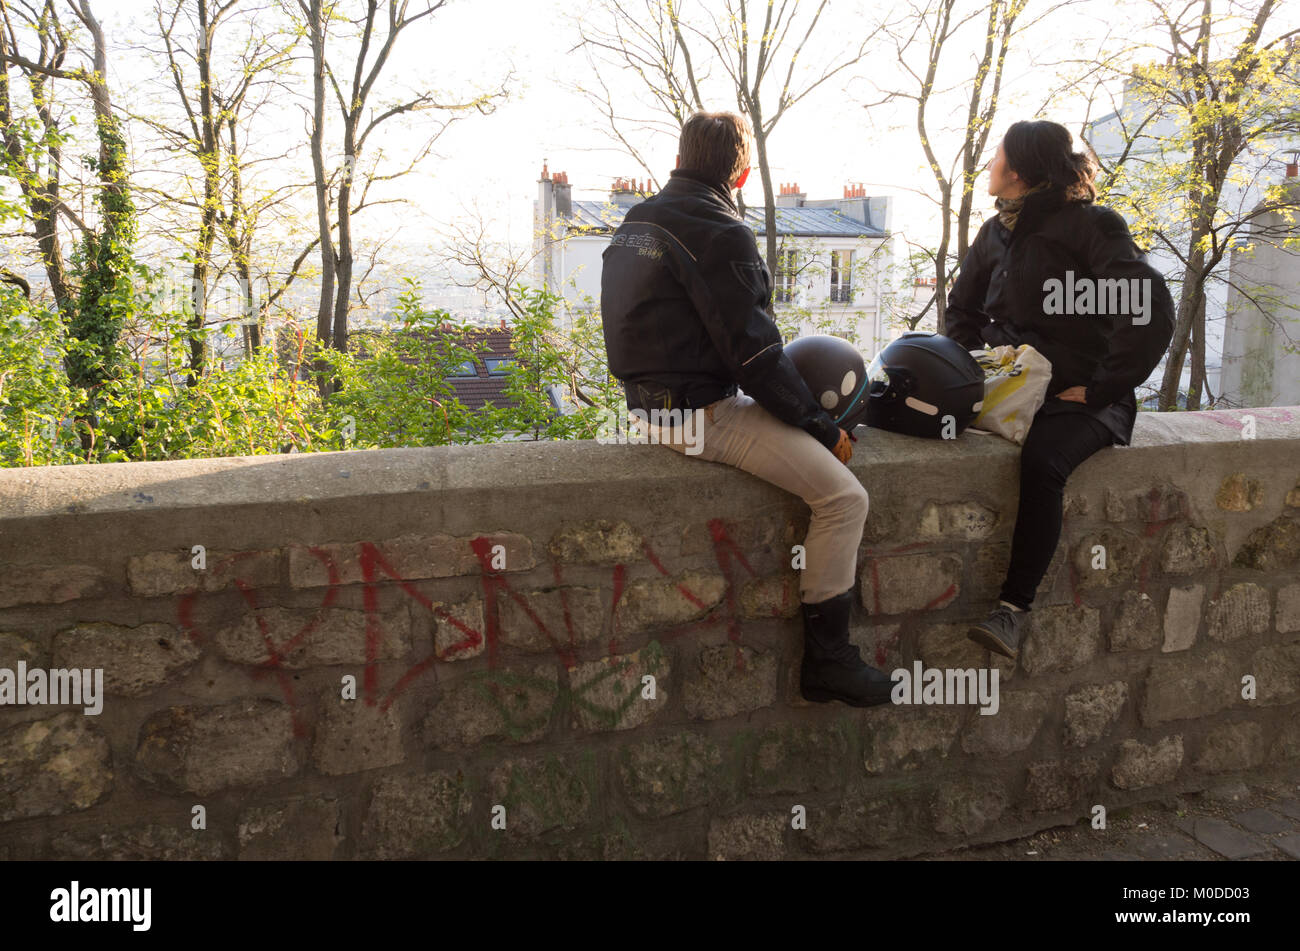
{"points": [[1293, 170], [545, 175]]}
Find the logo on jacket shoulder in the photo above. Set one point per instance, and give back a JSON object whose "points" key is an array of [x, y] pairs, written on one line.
{"points": [[750, 274], [1109, 297], [646, 245]]}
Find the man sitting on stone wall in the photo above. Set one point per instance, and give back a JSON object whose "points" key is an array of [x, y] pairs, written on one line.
{"points": [[685, 300]]}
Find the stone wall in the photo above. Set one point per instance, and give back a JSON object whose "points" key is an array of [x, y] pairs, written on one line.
{"points": [[499, 609]]}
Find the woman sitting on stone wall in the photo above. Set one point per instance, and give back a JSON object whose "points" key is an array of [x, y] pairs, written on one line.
{"points": [[1058, 272]]}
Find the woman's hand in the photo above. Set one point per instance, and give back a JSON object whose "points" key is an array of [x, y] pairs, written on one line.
{"points": [[1075, 394]]}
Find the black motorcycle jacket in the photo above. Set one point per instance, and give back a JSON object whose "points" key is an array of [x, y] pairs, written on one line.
{"points": [[1003, 294], [683, 298]]}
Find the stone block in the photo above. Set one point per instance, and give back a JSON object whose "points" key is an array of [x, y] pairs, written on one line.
{"points": [[544, 794], [1241, 611], [1188, 549], [1187, 688], [352, 736], [1139, 765], [747, 838], [53, 766], [135, 660], [610, 694], [1182, 617], [1011, 729], [205, 749], [160, 573], [671, 774], [648, 605], [1092, 710], [900, 584], [922, 737], [416, 816], [1137, 623], [729, 679], [597, 542], [303, 830], [1232, 746], [516, 705], [303, 638], [1061, 638]]}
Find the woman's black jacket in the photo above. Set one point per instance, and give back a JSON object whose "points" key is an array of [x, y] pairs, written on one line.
{"points": [[1107, 339]]}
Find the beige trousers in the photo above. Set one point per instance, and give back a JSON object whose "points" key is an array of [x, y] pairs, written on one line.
{"points": [[738, 432]]}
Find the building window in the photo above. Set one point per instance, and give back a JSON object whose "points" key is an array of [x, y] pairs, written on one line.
{"points": [[787, 265], [466, 369], [498, 366], [841, 277]]}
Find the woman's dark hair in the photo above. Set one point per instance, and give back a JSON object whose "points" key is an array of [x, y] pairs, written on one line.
{"points": [[1043, 151]]}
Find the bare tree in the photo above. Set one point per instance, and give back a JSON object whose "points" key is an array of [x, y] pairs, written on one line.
{"points": [[647, 40], [38, 169], [376, 36], [219, 100], [954, 32], [759, 57], [92, 311], [1219, 89]]}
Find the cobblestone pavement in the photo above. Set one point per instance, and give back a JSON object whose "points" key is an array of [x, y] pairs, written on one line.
{"points": [[1256, 822]]}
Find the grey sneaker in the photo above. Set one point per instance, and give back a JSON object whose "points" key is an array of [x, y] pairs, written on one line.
{"points": [[1000, 631]]}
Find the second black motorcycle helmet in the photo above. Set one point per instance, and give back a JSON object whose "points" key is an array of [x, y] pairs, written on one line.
{"points": [[923, 382], [836, 373]]}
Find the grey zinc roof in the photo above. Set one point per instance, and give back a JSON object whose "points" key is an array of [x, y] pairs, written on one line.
{"points": [[596, 215], [604, 217], [812, 222]]}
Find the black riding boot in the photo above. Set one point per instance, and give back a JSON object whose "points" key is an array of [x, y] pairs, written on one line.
{"points": [[832, 667]]}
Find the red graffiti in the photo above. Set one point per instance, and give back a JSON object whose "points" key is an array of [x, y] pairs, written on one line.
{"points": [[375, 570]]}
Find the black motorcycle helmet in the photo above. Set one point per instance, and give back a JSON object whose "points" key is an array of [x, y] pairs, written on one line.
{"points": [[920, 380], [836, 373]]}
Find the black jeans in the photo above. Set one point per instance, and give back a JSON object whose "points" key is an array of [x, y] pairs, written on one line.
{"points": [[1055, 446]]}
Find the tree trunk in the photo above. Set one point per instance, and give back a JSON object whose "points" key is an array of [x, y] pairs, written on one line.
{"points": [[343, 291], [1197, 386], [325, 308], [765, 176], [1191, 299], [209, 159], [941, 261]]}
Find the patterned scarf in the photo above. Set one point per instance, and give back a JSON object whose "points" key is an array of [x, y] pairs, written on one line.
{"points": [[1009, 208]]}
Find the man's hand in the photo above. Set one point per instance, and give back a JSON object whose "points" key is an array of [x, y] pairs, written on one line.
{"points": [[844, 448], [1075, 394]]}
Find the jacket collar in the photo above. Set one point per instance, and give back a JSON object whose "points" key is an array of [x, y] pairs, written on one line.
{"points": [[684, 181], [1037, 207]]}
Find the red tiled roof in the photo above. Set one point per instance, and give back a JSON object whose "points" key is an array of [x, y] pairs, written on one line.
{"points": [[475, 392]]}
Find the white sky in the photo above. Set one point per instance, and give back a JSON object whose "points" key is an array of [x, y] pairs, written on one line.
{"points": [[493, 162]]}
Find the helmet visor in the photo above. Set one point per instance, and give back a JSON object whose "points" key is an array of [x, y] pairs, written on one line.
{"points": [[877, 375]]}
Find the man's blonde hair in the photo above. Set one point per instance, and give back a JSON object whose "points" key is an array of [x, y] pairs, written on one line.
{"points": [[716, 144]]}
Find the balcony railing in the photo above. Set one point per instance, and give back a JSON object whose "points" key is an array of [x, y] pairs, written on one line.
{"points": [[841, 294]]}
